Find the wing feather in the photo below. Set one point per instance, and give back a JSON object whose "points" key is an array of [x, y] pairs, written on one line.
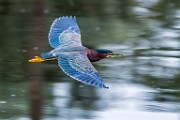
{"points": [[79, 67], [63, 30]]}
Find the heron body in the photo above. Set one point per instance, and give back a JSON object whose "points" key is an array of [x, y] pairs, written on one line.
{"points": [[73, 58]]}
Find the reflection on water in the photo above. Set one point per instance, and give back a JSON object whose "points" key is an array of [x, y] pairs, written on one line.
{"points": [[143, 85]]}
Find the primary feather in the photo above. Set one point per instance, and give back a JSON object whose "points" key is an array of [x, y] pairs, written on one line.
{"points": [[60, 29], [79, 67]]}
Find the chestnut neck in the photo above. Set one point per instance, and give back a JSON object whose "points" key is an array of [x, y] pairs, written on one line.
{"points": [[94, 56]]}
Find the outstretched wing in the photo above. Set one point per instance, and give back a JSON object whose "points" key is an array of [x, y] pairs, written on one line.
{"points": [[79, 67], [64, 31]]}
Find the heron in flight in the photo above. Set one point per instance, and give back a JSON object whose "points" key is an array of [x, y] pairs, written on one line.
{"points": [[73, 58]]}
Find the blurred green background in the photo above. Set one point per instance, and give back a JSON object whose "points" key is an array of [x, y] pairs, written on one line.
{"points": [[143, 85]]}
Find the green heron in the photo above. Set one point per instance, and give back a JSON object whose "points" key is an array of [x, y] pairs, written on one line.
{"points": [[73, 58]]}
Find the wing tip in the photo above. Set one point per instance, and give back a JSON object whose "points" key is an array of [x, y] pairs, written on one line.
{"points": [[106, 87], [67, 17], [103, 86]]}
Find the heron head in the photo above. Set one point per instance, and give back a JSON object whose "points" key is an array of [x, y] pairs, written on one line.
{"points": [[96, 55], [108, 53]]}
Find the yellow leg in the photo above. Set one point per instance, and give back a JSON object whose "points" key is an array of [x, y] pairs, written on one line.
{"points": [[51, 59], [40, 59]]}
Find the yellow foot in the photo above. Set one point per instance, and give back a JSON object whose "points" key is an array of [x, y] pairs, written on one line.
{"points": [[40, 59], [36, 59], [115, 55]]}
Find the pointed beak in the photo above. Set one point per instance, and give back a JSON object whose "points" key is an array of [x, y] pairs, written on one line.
{"points": [[115, 55]]}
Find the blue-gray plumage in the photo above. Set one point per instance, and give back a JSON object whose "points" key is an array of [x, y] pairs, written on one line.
{"points": [[73, 58]]}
